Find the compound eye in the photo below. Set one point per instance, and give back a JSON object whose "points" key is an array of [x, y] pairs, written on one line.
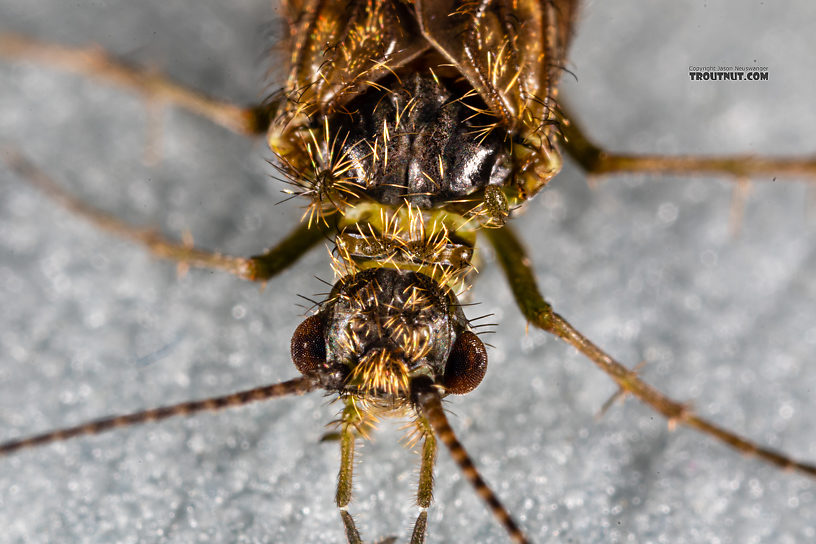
{"points": [[309, 346], [467, 364]]}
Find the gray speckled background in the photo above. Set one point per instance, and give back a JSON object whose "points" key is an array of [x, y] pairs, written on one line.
{"points": [[92, 326]]}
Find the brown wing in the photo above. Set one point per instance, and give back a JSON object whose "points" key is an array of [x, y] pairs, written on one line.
{"points": [[511, 51], [340, 48]]}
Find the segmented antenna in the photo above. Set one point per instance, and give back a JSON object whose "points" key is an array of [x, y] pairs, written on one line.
{"points": [[430, 402], [298, 386]]}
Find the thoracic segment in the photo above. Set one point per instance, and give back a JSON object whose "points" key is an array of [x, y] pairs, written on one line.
{"points": [[425, 142], [436, 243]]}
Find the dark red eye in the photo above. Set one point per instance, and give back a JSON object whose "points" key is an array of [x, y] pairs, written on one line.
{"points": [[467, 364], [309, 346]]}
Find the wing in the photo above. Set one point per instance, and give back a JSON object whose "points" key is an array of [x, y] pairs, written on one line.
{"points": [[512, 52], [340, 48]]}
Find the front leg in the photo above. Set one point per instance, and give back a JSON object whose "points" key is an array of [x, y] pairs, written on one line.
{"points": [[519, 273]]}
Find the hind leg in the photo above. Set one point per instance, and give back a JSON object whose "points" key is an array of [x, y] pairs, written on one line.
{"points": [[156, 89]]}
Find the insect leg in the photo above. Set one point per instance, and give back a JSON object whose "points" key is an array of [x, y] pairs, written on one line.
{"points": [[596, 160], [352, 421], [430, 403], [426, 468], [155, 88], [352, 534], [298, 386], [426, 478], [344, 477], [257, 268], [421, 523], [515, 263]]}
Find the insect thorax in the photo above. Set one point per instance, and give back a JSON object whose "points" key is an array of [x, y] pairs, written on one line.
{"points": [[426, 141]]}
